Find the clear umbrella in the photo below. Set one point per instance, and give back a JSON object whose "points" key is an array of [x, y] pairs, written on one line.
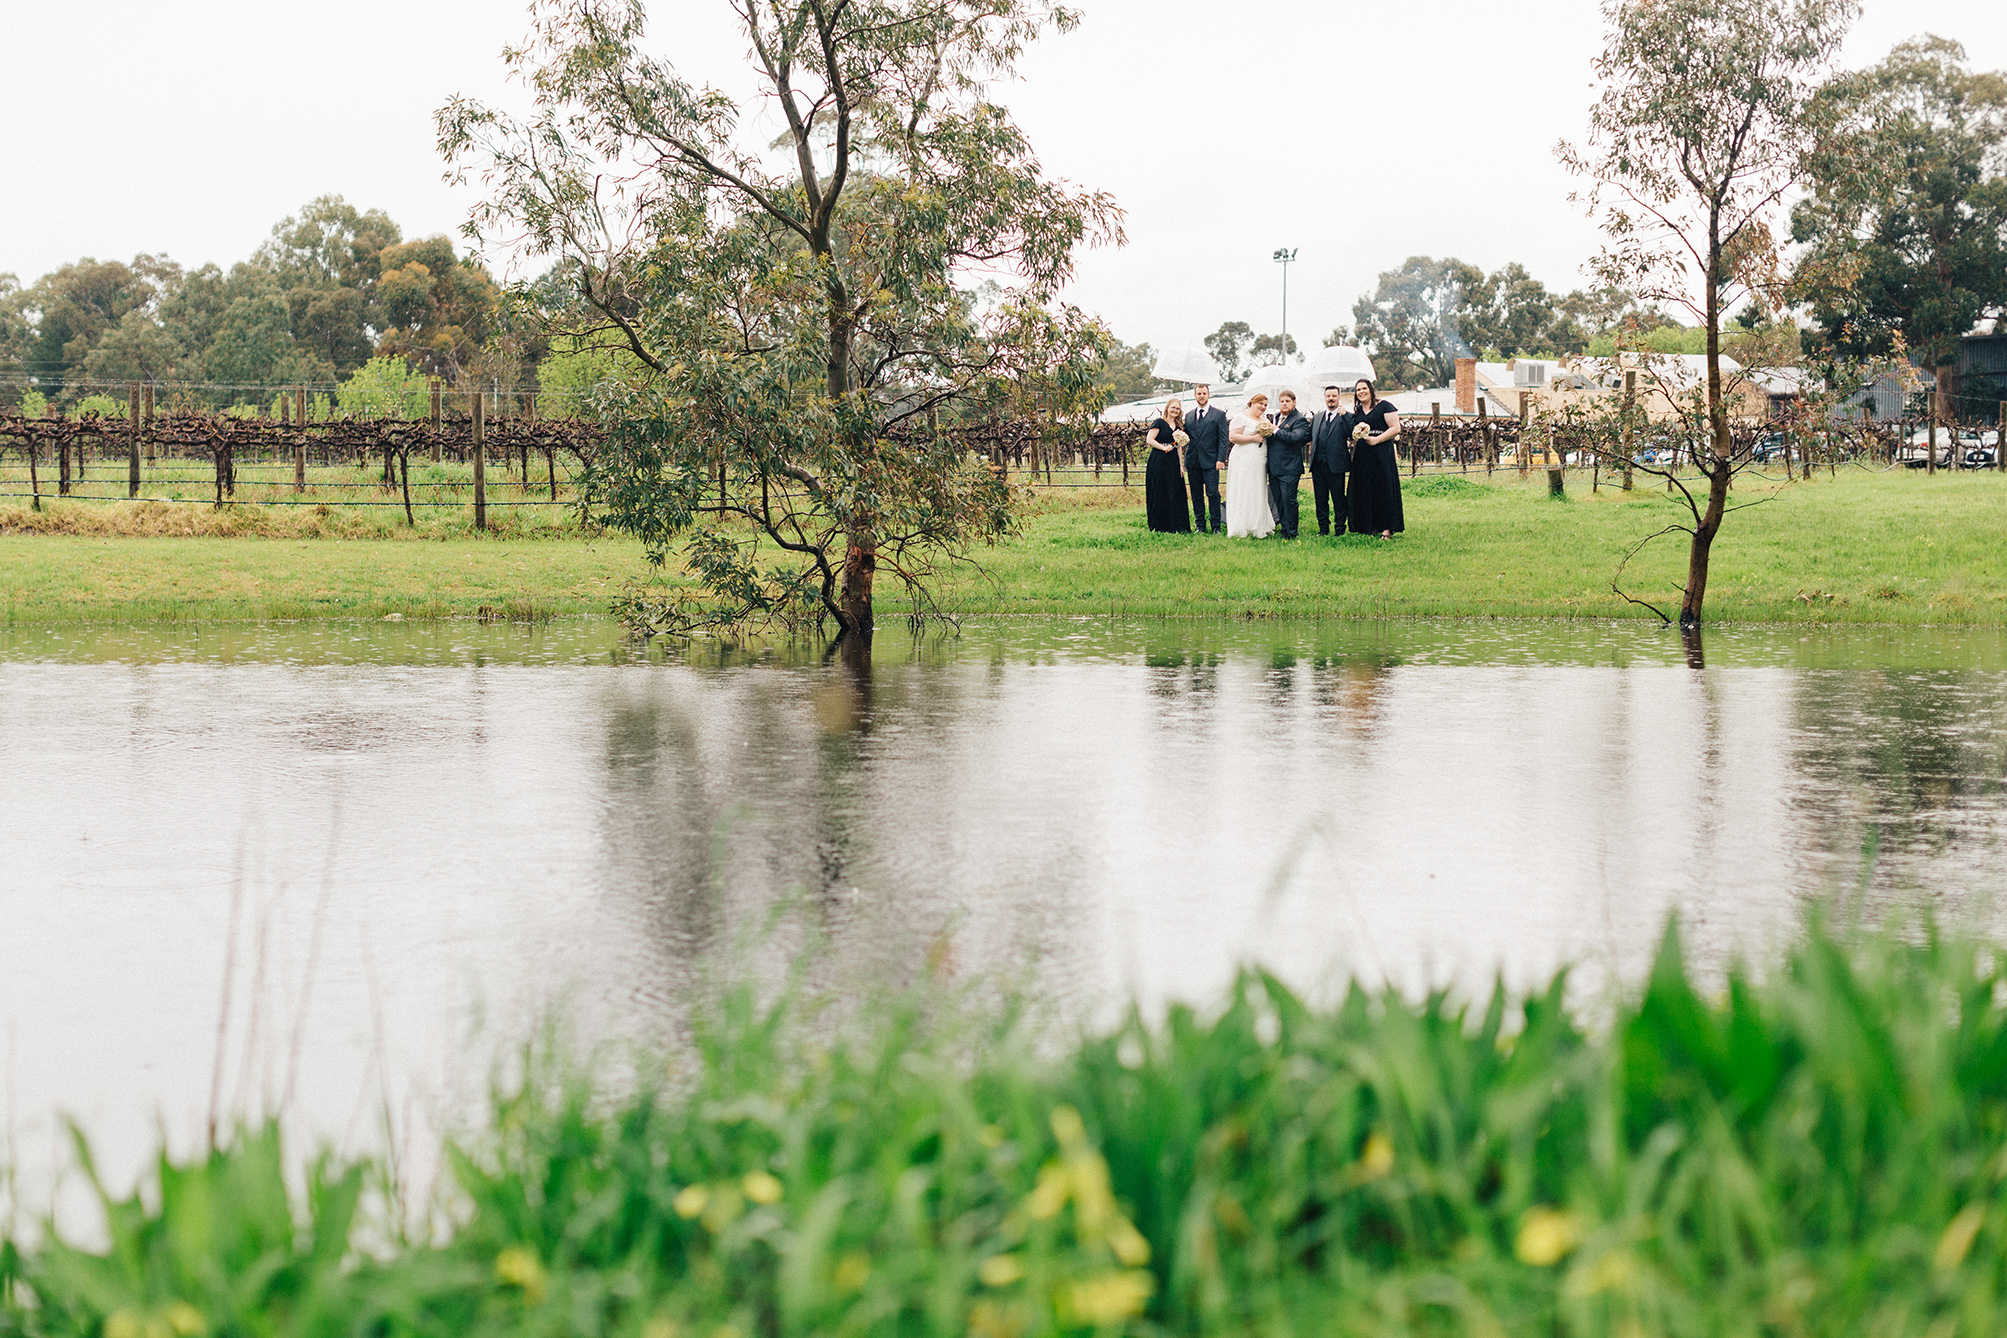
{"points": [[1276, 378], [1339, 364], [1189, 362]]}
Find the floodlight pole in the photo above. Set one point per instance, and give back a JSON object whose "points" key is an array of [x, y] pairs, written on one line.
{"points": [[1283, 257]]}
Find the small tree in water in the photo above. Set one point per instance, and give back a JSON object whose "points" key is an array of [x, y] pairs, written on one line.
{"points": [[1708, 114], [810, 306]]}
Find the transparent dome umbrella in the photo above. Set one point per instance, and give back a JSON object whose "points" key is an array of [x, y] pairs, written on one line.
{"points": [[1189, 362]]}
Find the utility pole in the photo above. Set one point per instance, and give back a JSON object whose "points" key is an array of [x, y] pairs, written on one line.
{"points": [[1283, 257]]}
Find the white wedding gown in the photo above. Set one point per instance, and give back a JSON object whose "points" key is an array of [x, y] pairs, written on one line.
{"points": [[1246, 502]]}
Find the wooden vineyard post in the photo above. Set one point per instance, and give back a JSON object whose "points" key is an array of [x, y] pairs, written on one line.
{"points": [[1484, 429], [480, 470], [132, 438], [146, 417], [1435, 435], [1523, 443], [2000, 439], [1630, 402], [62, 467], [1930, 460], [34, 480], [437, 405], [529, 415]]}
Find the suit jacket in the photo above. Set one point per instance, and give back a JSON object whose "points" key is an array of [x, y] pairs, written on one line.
{"points": [[1207, 430], [1330, 444], [1285, 448]]}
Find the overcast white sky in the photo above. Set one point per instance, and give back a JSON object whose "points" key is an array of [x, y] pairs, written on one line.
{"points": [[1225, 130]]}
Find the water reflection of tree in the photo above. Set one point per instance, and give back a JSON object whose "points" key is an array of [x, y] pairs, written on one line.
{"points": [[850, 796], [1919, 754]]}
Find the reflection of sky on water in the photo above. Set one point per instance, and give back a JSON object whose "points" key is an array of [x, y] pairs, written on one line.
{"points": [[438, 831]]}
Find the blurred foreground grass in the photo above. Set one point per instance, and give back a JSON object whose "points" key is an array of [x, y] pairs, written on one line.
{"points": [[1818, 1149]]}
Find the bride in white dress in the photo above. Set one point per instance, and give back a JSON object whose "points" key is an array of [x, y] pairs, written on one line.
{"points": [[1247, 472]]}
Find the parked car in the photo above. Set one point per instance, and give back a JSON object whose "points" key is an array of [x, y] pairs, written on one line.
{"points": [[1772, 446], [1981, 457]]}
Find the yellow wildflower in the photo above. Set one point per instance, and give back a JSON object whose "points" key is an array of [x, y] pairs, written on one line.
{"points": [[761, 1187], [1110, 1298], [518, 1267], [186, 1320], [1000, 1270], [853, 1271], [1376, 1159], [691, 1200], [1546, 1235]]}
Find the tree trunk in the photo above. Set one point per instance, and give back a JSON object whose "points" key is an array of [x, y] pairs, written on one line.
{"points": [[1719, 469], [860, 568]]}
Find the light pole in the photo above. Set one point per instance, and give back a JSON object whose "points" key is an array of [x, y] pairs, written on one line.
{"points": [[1283, 255]]}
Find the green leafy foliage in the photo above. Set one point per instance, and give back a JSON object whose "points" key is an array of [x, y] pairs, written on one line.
{"points": [[1815, 1148], [219, 1251], [384, 388]]}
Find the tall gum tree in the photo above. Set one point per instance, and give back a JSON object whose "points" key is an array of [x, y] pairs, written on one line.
{"points": [[1909, 204], [1707, 115], [816, 278]]}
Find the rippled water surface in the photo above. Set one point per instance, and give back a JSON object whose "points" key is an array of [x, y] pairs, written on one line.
{"points": [[339, 856]]}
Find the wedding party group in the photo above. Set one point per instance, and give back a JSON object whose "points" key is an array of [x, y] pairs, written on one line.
{"points": [[1348, 451]]}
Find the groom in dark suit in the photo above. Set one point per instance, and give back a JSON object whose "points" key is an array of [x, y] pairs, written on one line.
{"points": [[1330, 457], [1285, 462], [1207, 428]]}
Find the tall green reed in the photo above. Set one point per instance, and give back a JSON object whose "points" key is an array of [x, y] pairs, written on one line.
{"points": [[1816, 1148]]}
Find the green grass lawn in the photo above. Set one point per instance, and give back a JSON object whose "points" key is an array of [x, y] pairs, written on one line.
{"points": [[1863, 548]]}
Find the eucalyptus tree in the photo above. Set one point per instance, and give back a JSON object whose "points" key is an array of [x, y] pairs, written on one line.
{"points": [[1909, 203], [816, 276], [1707, 114]]}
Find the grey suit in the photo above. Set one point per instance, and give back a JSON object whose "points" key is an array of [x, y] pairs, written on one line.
{"points": [[1330, 457]]}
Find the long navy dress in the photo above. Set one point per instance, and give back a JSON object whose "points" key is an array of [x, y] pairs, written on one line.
{"points": [[1164, 501], [1376, 475]]}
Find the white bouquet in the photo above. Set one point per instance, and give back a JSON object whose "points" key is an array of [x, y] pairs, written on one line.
{"points": [[1264, 428], [1181, 437]]}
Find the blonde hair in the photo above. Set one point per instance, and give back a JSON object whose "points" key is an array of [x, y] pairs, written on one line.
{"points": [[1173, 403]]}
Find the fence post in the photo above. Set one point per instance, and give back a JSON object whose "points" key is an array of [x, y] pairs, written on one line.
{"points": [[146, 417], [132, 437], [1523, 443], [62, 467], [437, 405], [1630, 403], [1484, 428], [2000, 439], [480, 470], [1435, 433], [1930, 460], [34, 440]]}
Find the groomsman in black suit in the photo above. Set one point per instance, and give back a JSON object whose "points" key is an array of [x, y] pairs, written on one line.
{"points": [[1330, 457], [1206, 426], [1285, 462]]}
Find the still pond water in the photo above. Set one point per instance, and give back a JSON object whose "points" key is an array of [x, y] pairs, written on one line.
{"points": [[351, 859]]}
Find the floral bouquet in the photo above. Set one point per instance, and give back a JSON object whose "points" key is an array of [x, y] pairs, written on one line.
{"points": [[1361, 430], [1181, 437], [1264, 428]]}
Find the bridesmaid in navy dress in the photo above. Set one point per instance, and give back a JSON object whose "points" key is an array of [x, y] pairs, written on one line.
{"points": [[1164, 501], [1376, 473]]}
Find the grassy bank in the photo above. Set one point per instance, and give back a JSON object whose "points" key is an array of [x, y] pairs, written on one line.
{"points": [[1862, 548], [1816, 1151], [1888, 548], [44, 577]]}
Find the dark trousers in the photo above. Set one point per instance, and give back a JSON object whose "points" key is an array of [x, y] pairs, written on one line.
{"points": [[1282, 502], [1205, 486], [1328, 490]]}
